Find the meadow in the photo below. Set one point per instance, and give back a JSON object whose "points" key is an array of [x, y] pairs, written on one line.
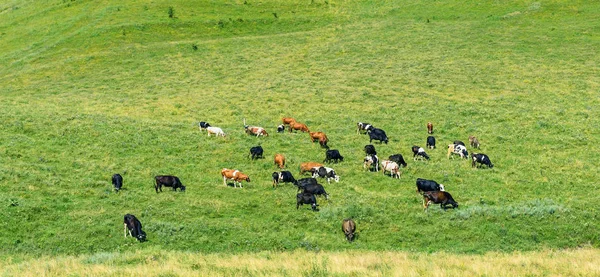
{"points": [[94, 88]]}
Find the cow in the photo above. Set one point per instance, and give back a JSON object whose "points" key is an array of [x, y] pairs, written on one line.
{"points": [[306, 198], [371, 162], [429, 128], [430, 142], [215, 130], [428, 185], [301, 183], [392, 167], [325, 172], [474, 142], [134, 226], [168, 181], [363, 126], [438, 197], [283, 177], [256, 152], [255, 130], [117, 181], [298, 126], [307, 166], [320, 137], [234, 175], [287, 120], [482, 159], [398, 159], [333, 155], [377, 134], [280, 128], [348, 227], [203, 125], [459, 142], [419, 152], [457, 149], [316, 189], [279, 160], [370, 150]]}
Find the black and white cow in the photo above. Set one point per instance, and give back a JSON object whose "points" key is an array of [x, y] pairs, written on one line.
{"points": [[283, 177], [203, 125], [134, 226], [482, 159], [428, 185], [419, 152], [168, 181], [306, 198], [280, 128], [371, 163], [398, 159], [325, 172], [377, 134], [430, 142], [333, 155], [459, 150], [117, 181], [363, 126], [256, 152], [370, 150]]}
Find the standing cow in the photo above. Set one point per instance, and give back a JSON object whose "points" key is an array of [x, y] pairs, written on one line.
{"points": [[333, 155], [430, 142], [429, 128], [419, 152], [482, 159], [377, 134], [398, 159], [348, 227], [117, 181], [134, 226], [168, 181], [363, 126], [438, 197]]}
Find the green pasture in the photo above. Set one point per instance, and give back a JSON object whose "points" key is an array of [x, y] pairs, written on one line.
{"points": [[93, 88]]}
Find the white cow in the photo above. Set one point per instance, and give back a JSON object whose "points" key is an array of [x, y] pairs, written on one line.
{"points": [[215, 130], [392, 167]]}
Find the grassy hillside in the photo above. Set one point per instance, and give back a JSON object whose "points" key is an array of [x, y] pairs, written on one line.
{"points": [[93, 88]]}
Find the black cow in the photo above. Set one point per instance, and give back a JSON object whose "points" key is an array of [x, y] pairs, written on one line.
{"points": [[430, 142], [333, 155], [378, 134], [370, 150], [283, 177], [459, 142], [316, 189], [117, 181], [306, 198], [168, 181], [438, 197], [398, 159], [419, 151], [280, 128], [203, 125], [428, 185], [256, 152], [481, 159], [363, 126], [134, 226], [305, 182]]}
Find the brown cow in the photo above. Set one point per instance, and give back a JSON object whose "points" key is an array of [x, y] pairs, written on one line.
{"points": [[438, 197], [474, 142], [234, 175], [280, 160], [254, 130], [319, 136], [306, 167], [348, 227], [288, 120], [429, 128], [298, 126]]}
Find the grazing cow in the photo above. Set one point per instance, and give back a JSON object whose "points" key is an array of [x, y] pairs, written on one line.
{"points": [[474, 142], [234, 175], [363, 126], [203, 125], [430, 142], [428, 185], [215, 130], [398, 159], [438, 197], [317, 189], [333, 155], [256, 152], [459, 142], [419, 152], [371, 162], [306, 198], [302, 183], [429, 128], [134, 226], [283, 177], [255, 130], [307, 166], [279, 160], [457, 149], [392, 167], [280, 128], [370, 150], [348, 227], [325, 172], [319, 136], [287, 120], [377, 134], [168, 181], [481, 159], [117, 181], [298, 126]]}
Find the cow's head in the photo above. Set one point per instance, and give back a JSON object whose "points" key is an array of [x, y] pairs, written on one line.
{"points": [[442, 187], [336, 178], [182, 188]]}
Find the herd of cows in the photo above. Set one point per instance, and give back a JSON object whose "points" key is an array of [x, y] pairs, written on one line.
{"points": [[309, 188]]}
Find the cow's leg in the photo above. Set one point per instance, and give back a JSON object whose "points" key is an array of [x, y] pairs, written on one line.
{"points": [[125, 229], [224, 181]]}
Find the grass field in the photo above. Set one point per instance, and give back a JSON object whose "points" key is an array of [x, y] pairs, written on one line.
{"points": [[93, 88]]}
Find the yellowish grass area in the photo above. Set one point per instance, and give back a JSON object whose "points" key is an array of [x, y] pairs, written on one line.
{"points": [[576, 262]]}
